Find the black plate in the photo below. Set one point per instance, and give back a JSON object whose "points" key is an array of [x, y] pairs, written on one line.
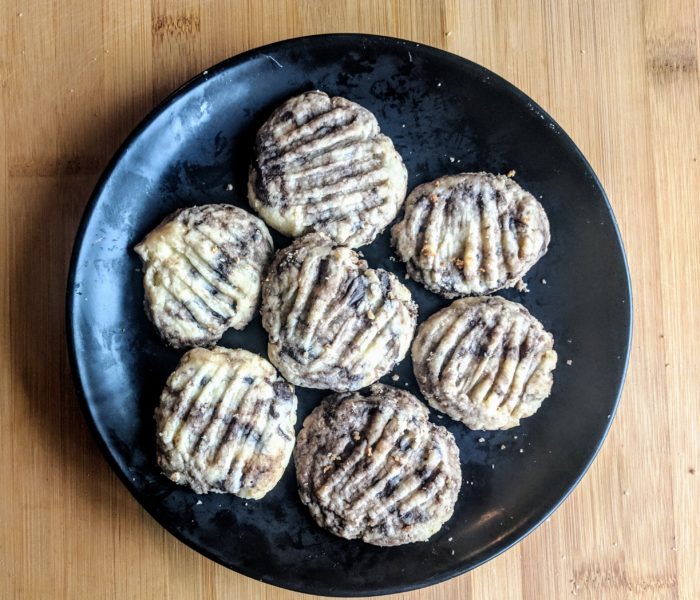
{"points": [[445, 115]]}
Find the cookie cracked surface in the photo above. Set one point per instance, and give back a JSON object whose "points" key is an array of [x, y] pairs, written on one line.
{"points": [[472, 233], [333, 323], [225, 423], [321, 164], [371, 466], [202, 272], [484, 361]]}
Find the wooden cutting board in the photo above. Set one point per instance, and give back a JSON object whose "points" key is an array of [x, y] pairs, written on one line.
{"points": [[621, 76]]}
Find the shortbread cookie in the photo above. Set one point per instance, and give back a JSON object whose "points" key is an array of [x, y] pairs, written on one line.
{"points": [[472, 233], [333, 323], [225, 423], [484, 361], [371, 466], [202, 272], [321, 164]]}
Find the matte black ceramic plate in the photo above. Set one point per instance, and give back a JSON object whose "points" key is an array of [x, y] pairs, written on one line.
{"points": [[445, 115]]}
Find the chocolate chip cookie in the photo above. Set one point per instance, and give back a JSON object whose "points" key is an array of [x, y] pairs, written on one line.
{"points": [[321, 164], [225, 423], [334, 323], [484, 361], [202, 272], [472, 233], [371, 466]]}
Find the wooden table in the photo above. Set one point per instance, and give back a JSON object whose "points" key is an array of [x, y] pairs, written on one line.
{"points": [[620, 76]]}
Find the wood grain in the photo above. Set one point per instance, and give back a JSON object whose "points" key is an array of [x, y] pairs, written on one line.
{"points": [[620, 76]]}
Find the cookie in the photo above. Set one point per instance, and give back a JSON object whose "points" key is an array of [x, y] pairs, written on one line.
{"points": [[484, 361], [334, 323], [472, 233], [321, 164], [225, 423], [371, 466], [202, 272]]}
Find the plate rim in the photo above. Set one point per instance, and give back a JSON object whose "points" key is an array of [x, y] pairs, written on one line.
{"points": [[71, 301]]}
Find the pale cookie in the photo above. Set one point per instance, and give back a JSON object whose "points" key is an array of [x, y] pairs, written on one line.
{"points": [[333, 323], [225, 423], [321, 164], [371, 466], [484, 361], [202, 272], [472, 233]]}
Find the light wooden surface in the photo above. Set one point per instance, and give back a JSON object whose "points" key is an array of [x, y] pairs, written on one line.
{"points": [[620, 76]]}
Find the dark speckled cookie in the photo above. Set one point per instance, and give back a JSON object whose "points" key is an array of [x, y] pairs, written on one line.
{"points": [[472, 233], [333, 323], [321, 164], [484, 361], [202, 272], [225, 423], [371, 466]]}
